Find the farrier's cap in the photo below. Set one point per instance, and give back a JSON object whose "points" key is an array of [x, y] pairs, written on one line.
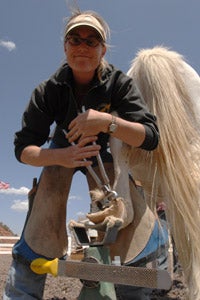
{"points": [[86, 20]]}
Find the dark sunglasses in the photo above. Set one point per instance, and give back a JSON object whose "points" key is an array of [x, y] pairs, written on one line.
{"points": [[90, 41]]}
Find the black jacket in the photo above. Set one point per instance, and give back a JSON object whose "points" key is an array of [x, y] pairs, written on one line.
{"points": [[54, 101]]}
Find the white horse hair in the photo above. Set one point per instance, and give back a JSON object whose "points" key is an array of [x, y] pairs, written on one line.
{"points": [[171, 173]]}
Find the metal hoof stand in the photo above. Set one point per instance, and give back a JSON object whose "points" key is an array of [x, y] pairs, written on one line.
{"points": [[101, 275]]}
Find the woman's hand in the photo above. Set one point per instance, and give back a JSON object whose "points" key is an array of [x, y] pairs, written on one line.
{"points": [[78, 155], [89, 123]]}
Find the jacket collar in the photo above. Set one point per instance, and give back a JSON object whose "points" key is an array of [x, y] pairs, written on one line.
{"points": [[64, 76]]}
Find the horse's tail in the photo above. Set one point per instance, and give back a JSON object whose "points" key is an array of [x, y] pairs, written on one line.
{"points": [[174, 167]]}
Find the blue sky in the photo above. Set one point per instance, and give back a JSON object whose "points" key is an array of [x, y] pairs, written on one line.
{"points": [[31, 49]]}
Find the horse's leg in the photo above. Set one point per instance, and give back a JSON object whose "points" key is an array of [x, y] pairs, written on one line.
{"points": [[121, 183], [45, 231]]}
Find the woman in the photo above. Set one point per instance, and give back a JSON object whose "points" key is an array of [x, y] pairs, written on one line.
{"points": [[88, 81]]}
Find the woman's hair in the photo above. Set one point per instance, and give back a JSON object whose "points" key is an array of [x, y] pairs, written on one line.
{"points": [[104, 28]]}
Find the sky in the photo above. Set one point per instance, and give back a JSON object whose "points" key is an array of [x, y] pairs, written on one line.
{"points": [[31, 49]]}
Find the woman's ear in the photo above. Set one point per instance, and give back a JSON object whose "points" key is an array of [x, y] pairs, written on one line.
{"points": [[104, 48]]}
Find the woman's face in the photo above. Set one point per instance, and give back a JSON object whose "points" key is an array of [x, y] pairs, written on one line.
{"points": [[84, 56]]}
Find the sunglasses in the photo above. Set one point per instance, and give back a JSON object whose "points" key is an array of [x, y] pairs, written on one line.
{"points": [[90, 41]]}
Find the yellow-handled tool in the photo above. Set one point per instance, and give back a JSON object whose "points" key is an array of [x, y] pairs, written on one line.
{"points": [[136, 276], [44, 266]]}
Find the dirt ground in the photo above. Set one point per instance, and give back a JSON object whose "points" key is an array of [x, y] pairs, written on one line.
{"points": [[63, 288]]}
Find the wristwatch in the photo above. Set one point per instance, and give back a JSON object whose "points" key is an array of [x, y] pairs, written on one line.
{"points": [[112, 126]]}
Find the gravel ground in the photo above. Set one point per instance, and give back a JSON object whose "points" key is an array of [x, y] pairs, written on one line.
{"points": [[63, 288]]}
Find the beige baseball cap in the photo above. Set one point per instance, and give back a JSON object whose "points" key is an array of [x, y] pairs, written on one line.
{"points": [[86, 20]]}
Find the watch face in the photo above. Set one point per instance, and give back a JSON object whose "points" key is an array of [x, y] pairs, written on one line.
{"points": [[112, 127]]}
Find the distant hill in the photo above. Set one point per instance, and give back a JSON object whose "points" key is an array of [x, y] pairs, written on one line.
{"points": [[10, 239], [5, 230]]}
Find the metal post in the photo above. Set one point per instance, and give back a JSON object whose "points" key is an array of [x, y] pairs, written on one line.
{"points": [[100, 290]]}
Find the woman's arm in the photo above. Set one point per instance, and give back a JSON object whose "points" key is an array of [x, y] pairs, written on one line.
{"points": [[93, 122], [69, 157]]}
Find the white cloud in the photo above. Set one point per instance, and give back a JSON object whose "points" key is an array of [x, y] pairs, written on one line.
{"points": [[21, 191], [9, 45], [19, 205], [81, 214], [73, 197]]}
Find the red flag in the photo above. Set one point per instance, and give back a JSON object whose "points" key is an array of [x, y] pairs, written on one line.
{"points": [[4, 185]]}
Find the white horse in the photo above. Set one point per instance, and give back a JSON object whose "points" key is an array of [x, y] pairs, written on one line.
{"points": [[171, 173]]}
